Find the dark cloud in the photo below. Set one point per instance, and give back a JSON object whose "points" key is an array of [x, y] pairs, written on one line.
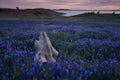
{"points": [[72, 4]]}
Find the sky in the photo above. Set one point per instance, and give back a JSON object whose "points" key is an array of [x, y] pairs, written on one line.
{"points": [[63, 4]]}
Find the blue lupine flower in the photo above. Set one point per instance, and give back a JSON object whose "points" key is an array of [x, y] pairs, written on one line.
{"points": [[86, 51]]}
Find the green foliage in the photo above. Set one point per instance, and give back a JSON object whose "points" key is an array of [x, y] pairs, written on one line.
{"points": [[27, 29], [62, 37]]}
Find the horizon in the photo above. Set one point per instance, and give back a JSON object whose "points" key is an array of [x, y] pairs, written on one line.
{"points": [[62, 4], [62, 9]]}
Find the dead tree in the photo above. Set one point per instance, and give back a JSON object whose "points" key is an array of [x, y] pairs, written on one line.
{"points": [[44, 50]]}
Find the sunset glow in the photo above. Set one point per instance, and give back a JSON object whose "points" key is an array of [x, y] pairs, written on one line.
{"points": [[63, 4]]}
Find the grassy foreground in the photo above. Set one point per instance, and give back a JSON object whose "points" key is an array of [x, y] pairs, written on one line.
{"points": [[88, 45]]}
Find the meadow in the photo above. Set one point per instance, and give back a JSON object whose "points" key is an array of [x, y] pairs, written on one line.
{"points": [[87, 51]]}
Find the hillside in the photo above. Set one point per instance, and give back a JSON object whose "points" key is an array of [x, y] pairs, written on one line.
{"points": [[27, 13]]}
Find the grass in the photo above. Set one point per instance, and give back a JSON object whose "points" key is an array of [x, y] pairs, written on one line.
{"points": [[88, 48]]}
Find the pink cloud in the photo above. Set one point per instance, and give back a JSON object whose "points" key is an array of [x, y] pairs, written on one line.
{"points": [[70, 4]]}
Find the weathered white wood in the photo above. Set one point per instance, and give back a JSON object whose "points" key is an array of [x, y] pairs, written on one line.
{"points": [[45, 52]]}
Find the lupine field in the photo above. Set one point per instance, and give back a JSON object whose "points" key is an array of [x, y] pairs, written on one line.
{"points": [[87, 51]]}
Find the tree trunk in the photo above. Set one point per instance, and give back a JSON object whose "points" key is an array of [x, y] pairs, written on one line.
{"points": [[45, 52]]}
